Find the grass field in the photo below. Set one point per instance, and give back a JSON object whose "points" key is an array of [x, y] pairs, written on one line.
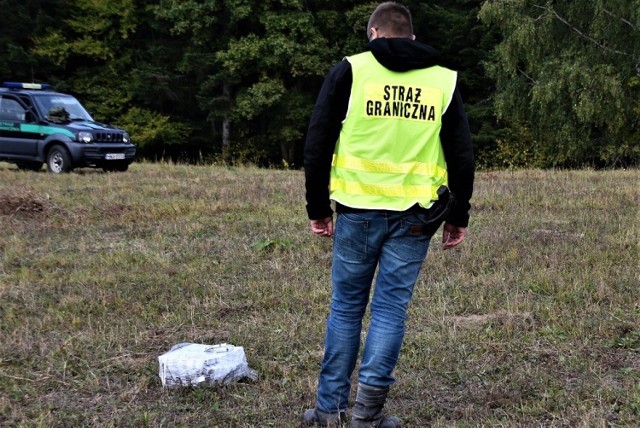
{"points": [[533, 321]]}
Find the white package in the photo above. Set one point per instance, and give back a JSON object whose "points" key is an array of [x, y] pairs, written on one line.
{"points": [[189, 364]]}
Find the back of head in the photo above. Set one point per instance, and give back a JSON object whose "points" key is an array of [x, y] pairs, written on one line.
{"points": [[391, 19]]}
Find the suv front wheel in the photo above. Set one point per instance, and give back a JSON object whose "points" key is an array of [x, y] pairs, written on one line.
{"points": [[58, 160]]}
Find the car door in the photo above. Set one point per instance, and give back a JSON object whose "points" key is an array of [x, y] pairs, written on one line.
{"points": [[15, 140]]}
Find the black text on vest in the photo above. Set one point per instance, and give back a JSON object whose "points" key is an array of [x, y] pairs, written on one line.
{"points": [[401, 102]]}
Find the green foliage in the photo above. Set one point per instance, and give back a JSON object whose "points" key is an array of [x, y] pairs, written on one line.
{"points": [[263, 65], [242, 75], [23, 21], [516, 150], [151, 130], [258, 98], [294, 44], [453, 28], [565, 71], [92, 30], [91, 41]]}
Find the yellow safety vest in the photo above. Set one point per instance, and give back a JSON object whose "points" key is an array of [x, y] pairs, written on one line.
{"points": [[389, 155]]}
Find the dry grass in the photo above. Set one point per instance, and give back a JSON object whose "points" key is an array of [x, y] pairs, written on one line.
{"points": [[534, 321]]}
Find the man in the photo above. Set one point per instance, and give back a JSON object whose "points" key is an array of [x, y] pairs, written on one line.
{"points": [[387, 136]]}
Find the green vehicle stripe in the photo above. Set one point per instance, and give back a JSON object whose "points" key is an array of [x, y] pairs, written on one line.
{"points": [[46, 130]]}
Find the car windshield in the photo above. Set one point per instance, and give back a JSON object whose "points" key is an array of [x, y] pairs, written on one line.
{"points": [[70, 104]]}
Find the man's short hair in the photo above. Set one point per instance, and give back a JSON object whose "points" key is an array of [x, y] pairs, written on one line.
{"points": [[393, 19]]}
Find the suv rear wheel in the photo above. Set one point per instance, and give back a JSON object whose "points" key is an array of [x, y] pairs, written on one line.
{"points": [[58, 160]]}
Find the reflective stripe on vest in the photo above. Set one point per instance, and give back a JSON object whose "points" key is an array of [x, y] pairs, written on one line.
{"points": [[388, 155]]}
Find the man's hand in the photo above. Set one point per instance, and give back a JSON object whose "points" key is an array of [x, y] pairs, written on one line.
{"points": [[452, 235], [323, 227]]}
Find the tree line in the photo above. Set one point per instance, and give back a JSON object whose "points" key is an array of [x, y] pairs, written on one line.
{"points": [[546, 83]]}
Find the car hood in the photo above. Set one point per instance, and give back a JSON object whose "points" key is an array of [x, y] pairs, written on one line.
{"points": [[84, 125]]}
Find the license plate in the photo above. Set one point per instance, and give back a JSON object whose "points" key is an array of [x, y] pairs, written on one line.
{"points": [[111, 156]]}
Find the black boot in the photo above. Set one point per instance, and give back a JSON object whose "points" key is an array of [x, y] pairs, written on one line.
{"points": [[315, 417], [367, 412]]}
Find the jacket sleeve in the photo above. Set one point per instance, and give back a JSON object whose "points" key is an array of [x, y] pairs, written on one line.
{"points": [[324, 129], [458, 152]]}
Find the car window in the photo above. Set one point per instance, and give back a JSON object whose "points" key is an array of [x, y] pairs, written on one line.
{"points": [[30, 109], [11, 110], [67, 102]]}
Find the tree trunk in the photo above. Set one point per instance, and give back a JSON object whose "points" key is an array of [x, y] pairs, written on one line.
{"points": [[288, 151], [226, 127]]}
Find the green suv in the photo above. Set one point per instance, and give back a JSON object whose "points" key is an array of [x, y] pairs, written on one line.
{"points": [[39, 126]]}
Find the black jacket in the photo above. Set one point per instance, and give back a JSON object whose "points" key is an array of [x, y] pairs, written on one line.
{"points": [[397, 54]]}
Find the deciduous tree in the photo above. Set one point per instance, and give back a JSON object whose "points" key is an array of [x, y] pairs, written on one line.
{"points": [[568, 77]]}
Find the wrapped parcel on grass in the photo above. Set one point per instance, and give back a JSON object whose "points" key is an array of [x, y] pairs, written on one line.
{"points": [[191, 364]]}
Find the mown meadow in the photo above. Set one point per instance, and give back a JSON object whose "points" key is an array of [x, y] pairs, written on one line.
{"points": [[533, 321]]}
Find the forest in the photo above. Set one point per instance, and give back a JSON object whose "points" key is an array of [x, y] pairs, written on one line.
{"points": [[546, 83]]}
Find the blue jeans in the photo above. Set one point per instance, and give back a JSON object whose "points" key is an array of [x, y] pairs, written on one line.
{"points": [[363, 241]]}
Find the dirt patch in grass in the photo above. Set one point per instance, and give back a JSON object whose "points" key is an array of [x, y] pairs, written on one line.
{"points": [[115, 210], [499, 318], [25, 203]]}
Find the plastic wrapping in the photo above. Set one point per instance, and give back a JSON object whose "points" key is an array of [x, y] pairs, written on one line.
{"points": [[190, 364]]}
